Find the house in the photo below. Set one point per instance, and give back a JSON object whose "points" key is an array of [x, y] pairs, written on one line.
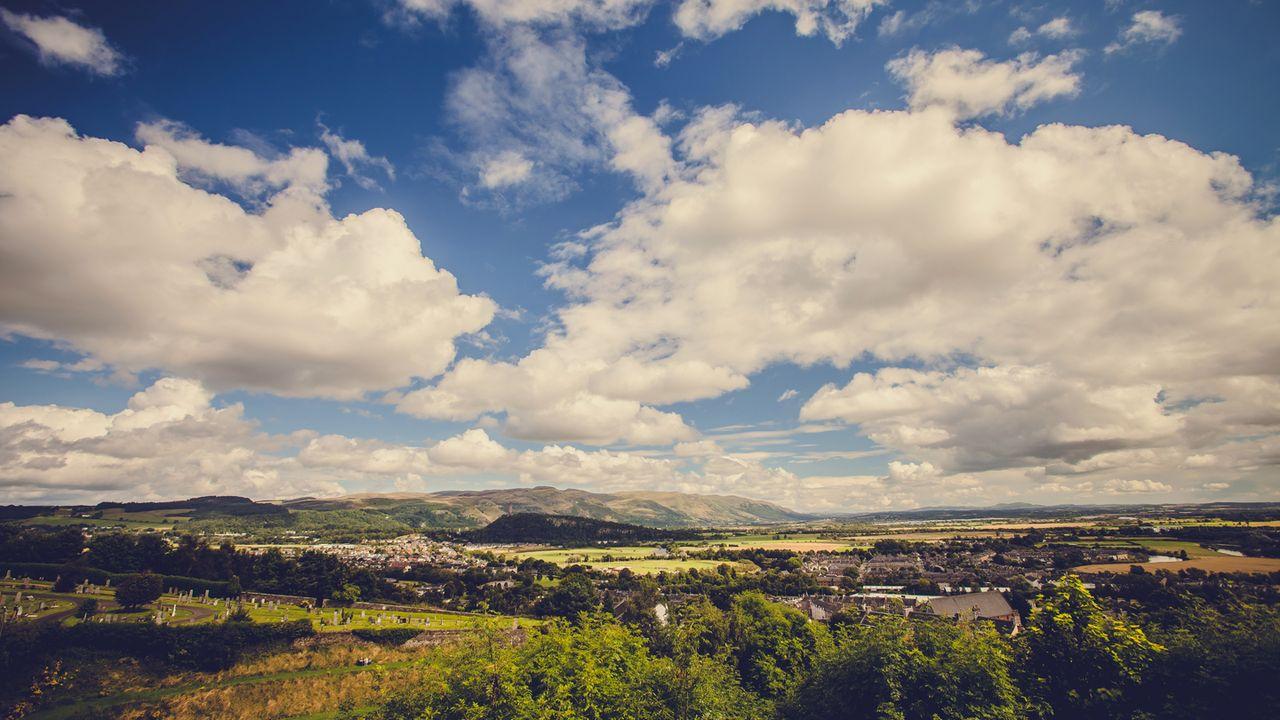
{"points": [[989, 605]]}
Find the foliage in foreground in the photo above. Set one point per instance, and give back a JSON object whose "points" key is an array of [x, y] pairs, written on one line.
{"points": [[596, 670], [757, 659]]}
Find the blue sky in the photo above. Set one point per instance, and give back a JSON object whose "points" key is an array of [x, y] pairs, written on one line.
{"points": [[661, 218]]}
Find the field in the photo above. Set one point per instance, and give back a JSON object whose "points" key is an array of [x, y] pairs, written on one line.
{"points": [[795, 542], [1216, 563], [671, 565], [637, 558], [115, 517], [1162, 547], [570, 556], [323, 619]]}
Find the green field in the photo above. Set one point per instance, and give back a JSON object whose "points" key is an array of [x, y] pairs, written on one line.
{"points": [[1161, 546], [111, 518], [637, 558], [671, 565], [795, 542], [570, 556], [322, 619]]}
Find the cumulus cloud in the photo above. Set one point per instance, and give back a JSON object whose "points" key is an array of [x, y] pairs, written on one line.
{"points": [[1125, 487], [154, 272], [837, 20], [61, 41], [908, 239], [1147, 27], [994, 418], [172, 441], [169, 442], [202, 162], [970, 85]]}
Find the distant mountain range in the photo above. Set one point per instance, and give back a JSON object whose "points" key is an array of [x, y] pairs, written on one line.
{"points": [[476, 508], [353, 517]]}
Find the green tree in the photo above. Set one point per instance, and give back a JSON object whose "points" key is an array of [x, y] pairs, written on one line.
{"points": [[773, 644], [573, 596], [1077, 661], [346, 595], [895, 669], [1217, 663], [137, 590], [596, 669]]}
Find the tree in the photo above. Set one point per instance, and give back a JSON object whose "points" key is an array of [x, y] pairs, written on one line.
{"points": [[1076, 660], [1217, 664], [347, 595], [596, 669], [574, 595], [774, 645], [893, 668], [137, 590]]}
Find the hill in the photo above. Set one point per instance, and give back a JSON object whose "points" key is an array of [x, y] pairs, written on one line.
{"points": [[569, 530], [464, 509]]}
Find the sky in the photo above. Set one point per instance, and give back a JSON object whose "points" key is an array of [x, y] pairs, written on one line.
{"points": [[842, 255]]}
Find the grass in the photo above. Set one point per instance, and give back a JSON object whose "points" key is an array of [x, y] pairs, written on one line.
{"points": [[795, 542], [1161, 546], [1215, 564], [72, 709], [190, 612], [569, 556], [322, 619], [671, 565]]}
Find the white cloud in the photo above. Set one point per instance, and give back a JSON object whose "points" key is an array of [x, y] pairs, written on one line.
{"points": [[60, 41], [787, 394], [970, 85], [508, 168], [994, 418], [837, 20], [1056, 29], [204, 162], [1147, 27], [664, 58], [169, 442], [355, 158], [602, 14], [700, 448], [288, 300], [1126, 487], [537, 111], [901, 22], [1059, 27], [906, 238]]}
